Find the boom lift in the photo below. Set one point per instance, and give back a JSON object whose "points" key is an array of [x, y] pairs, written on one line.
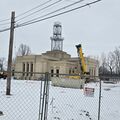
{"points": [[83, 67], [83, 73]]}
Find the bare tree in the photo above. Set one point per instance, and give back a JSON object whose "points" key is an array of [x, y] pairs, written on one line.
{"points": [[103, 65], [111, 62], [2, 63], [23, 50], [117, 60]]}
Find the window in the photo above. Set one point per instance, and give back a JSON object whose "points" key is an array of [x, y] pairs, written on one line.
{"points": [[31, 69], [23, 69], [69, 71], [27, 69], [73, 71], [52, 71], [57, 73]]}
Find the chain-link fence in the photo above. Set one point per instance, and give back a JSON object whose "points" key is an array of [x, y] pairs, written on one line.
{"points": [[60, 97]]}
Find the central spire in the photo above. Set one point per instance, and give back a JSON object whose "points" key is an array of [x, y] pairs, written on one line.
{"points": [[57, 39]]}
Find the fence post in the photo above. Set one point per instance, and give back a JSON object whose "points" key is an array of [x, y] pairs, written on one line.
{"points": [[44, 104], [99, 105], [47, 95]]}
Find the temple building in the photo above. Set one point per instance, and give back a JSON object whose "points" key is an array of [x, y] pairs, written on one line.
{"points": [[55, 61]]}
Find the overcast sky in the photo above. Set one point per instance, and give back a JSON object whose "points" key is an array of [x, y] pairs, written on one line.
{"points": [[96, 27]]}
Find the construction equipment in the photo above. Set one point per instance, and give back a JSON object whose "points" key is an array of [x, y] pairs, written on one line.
{"points": [[83, 66], [3, 74], [83, 73]]}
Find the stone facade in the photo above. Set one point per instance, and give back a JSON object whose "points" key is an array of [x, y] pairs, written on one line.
{"points": [[52, 62]]}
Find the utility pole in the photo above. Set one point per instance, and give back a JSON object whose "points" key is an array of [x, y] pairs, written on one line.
{"points": [[8, 87]]}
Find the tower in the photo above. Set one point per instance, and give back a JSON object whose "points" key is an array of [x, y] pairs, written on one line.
{"points": [[57, 39]]}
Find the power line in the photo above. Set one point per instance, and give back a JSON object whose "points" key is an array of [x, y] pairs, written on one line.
{"points": [[5, 23], [25, 24], [6, 29], [4, 20], [55, 11], [27, 11], [33, 8], [39, 10]]}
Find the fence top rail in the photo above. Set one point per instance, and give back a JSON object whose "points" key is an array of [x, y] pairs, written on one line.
{"points": [[114, 76]]}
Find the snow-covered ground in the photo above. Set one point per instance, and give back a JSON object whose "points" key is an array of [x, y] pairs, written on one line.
{"points": [[64, 103]]}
